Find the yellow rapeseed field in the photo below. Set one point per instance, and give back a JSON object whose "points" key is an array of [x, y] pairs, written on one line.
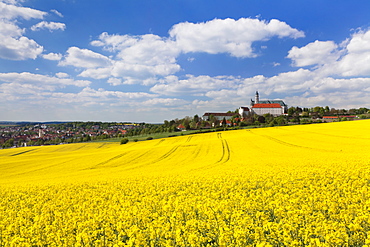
{"points": [[282, 186]]}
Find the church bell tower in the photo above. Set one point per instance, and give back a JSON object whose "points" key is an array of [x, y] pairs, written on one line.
{"points": [[257, 98]]}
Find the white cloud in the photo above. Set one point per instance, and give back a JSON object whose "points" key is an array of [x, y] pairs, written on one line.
{"points": [[328, 84], [139, 59], [9, 29], [137, 73], [56, 12], [9, 11], [357, 58], [229, 36], [143, 59], [53, 56], [192, 85], [84, 58], [51, 26], [14, 46], [150, 49], [61, 75], [318, 52], [26, 78], [97, 73], [289, 82], [349, 59], [114, 81], [164, 102], [345, 100]]}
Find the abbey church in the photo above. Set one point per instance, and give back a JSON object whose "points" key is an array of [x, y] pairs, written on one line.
{"points": [[260, 107]]}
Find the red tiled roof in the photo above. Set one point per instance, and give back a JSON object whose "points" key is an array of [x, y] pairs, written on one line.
{"points": [[273, 105]]}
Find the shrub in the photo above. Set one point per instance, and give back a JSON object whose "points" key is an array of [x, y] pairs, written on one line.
{"points": [[136, 140], [149, 138], [124, 141]]}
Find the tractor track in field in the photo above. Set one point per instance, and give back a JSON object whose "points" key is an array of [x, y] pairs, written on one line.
{"points": [[20, 153], [173, 150], [225, 157], [160, 142], [189, 139], [291, 144], [166, 155], [108, 160]]}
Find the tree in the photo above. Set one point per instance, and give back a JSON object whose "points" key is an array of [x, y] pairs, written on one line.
{"points": [[223, 122], [124, 141], [261, 119], [291, 111], [280, 120], [166, 123]]}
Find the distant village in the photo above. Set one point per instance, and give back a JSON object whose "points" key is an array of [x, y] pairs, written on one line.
{"points": [[31, 134], [259, 113]]}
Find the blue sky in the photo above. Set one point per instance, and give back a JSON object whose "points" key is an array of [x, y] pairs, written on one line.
{"points": [[147, 61]]}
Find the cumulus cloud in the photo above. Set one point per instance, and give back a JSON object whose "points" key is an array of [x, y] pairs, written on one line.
{"points": [[357, 58], [10, 11], [15, 46], [289, 82], [61, 75], [229, 36], [144, 59], [51, 26], [84, 58], [139, 58], [351, 58], [53, 56], [114, 81], [97, 73], [318, 52]]}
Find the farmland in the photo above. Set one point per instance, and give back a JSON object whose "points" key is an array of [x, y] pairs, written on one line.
{"points": [[303, 185]]}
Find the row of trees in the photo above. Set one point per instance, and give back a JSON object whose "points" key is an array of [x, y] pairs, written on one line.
{"points": [[325, 111]]}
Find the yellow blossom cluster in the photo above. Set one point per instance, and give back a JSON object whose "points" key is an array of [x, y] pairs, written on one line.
{"points": [[282, 186]]}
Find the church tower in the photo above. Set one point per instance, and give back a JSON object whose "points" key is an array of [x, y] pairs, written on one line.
{"points": [[257, 98]]}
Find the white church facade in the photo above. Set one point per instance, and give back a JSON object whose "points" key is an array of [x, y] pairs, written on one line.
{"points": [[261, 107]]}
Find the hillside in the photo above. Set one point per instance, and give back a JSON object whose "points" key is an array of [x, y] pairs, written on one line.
{"points": [[230, 151], [293, 185]]}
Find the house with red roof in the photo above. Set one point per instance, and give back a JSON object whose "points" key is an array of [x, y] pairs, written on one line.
{"points": [[274, 109]]}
